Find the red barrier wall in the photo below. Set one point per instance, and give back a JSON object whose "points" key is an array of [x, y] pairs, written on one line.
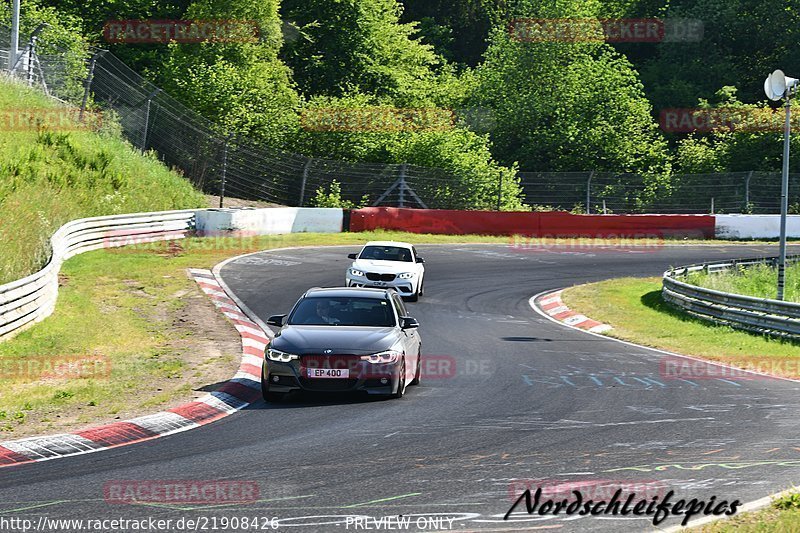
{"points": [[553, 224]]}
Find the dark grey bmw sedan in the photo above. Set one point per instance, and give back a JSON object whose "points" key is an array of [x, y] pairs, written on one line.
{"points": [[343, 340]]}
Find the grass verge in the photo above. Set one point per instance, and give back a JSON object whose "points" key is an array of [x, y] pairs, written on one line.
{"points": [[783, 516], [760, 281], [634, 308]]}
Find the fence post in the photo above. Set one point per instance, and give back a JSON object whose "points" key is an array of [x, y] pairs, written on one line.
{"points": [[589, 193], [224, 171], [401, 202], [712, 205], [306, 169], [88, 85], [31, 52], [747, 191], [500, 191], [147, 119]]}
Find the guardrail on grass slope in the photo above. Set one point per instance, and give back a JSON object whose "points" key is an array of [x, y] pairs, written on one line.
{"points": [[31, 299], [761, 315]]}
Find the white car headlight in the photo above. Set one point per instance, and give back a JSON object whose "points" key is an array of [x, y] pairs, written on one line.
{"points": [[281, 357], [356, 272], [390, 356], [407, 275]]}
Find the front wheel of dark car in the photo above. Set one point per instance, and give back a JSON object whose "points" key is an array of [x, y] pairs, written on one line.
{"points": [[270, 397], [417, 374], [401, 383]]}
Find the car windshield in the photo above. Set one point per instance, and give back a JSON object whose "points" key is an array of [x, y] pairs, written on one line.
{"points": [[386, 253], [341, 311]]}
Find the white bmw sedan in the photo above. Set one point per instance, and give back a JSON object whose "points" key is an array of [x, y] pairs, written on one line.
{"points": [[388, 264]]}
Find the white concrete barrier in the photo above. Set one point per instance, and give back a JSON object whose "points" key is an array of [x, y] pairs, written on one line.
{"points": [[754, 226], [270, 221]]}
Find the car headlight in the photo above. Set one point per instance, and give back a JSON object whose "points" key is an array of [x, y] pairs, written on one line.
{"points": [[389, 356], [356, 272], [406, 275], [281, 357]]}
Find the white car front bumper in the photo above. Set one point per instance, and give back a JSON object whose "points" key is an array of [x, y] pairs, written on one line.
{"points": [[405, 287]]}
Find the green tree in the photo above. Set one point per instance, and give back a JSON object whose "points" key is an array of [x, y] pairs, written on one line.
{"points": [[458, 29], [754, 142], [567, 105], [241, 86], [348, 46], [93, 15], [742, 41]]}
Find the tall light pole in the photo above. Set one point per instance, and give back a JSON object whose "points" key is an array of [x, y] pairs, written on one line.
{"points": [[778, 86], [12, 54]]}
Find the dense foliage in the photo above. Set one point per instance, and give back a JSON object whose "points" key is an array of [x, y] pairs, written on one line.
{"points": [[515, 103]]}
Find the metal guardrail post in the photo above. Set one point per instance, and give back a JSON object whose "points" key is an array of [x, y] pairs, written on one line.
{"points": [[150, 97], [747, 192], [224, 171], [306, 170], [589, 193], [88, 84]]}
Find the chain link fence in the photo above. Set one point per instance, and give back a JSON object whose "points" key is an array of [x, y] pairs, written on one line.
{"points": [[607, 192], [237, 167]]}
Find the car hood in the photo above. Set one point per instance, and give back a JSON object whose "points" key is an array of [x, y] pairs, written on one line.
{"points": [[355, 340], [374, 265]]}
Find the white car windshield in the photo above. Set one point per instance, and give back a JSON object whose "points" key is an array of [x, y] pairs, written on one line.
{"points": [[386, 253]]}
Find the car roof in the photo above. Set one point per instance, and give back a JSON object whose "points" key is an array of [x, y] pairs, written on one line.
{"points": [[389, 243], [347, 292]]}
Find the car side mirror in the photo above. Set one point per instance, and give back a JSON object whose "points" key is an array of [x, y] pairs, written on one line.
{"points": [[276, 320], [420, 260], [408, 322], [352, 256]]}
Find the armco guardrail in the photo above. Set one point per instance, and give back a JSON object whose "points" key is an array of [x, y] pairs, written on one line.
{"points": [[31, 299], [761, 315]]}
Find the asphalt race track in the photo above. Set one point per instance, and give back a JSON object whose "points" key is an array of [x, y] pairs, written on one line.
{"points": [[512, 397]]}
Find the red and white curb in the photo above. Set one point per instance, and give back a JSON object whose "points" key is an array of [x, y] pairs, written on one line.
{"points": [[242, 390], [551, 304]]}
